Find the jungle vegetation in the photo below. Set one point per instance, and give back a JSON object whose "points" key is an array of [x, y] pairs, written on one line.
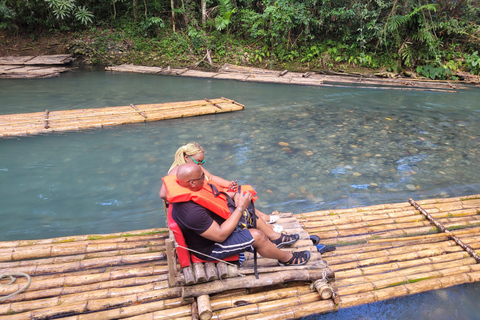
{"points": [[434, 38]]}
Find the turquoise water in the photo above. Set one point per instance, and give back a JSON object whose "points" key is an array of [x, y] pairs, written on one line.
{"points": [[303, 148]]}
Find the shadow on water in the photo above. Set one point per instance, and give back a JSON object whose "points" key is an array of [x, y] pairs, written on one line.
{"points": [[303, 148]]}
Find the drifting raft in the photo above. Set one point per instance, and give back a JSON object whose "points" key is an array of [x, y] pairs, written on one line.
{"points": [[67, 120], [383, 252], [240, 73], [30, 67]]}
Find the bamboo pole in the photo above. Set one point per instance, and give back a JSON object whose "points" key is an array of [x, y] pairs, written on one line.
{"points": [[220, 302], [251, 282], [87, 264], [204, 307], [95, 302], [125, 236], [428, 236], [438, 225], [75, 283], [17, 256]]}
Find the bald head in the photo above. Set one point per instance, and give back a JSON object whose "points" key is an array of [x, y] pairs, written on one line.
{"points": [[190, 176]]}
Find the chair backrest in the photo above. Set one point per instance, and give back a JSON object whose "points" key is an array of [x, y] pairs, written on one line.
{"points": [[184, 256]]}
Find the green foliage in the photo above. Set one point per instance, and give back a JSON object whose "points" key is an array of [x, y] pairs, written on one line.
{"points": [[395, 35], [83, 15], [226, 9], [62, 9], [432, 72], [472, 62], [151, 26], [281, 22], [7, 16]]}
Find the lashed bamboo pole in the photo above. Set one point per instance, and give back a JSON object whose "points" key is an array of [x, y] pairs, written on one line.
{"points": [[113, 237], [96, 299], [354, 222], [86, 264], [116, 313], [78, 251], [394, 270], [251, 282], [365, 234], [429, 236], [292, 311], [394, 253], [234, 299], [71, 284], [441, 227]]}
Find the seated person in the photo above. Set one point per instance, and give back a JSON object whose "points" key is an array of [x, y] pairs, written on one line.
{"points": [[194, 153], [212, 232]]}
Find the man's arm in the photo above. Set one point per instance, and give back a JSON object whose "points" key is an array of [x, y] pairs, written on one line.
{"points": [[219, 233]]}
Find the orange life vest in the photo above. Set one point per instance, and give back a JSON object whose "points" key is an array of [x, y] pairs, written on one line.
{"points": [[203, 197]]}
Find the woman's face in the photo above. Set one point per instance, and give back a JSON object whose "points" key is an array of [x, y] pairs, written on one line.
{"points": [[196, 158]]}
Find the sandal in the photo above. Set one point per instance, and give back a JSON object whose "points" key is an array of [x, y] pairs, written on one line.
{"points": [[298, 259], [285, 239]]}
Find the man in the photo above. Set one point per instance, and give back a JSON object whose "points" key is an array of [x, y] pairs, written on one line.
{"points": [[211, 229]]}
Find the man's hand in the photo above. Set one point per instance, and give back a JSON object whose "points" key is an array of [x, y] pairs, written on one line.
{"points": [[219, 233], [242, 200]]}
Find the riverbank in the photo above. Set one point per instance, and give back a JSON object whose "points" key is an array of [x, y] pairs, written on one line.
{"points": [[106, 49]]}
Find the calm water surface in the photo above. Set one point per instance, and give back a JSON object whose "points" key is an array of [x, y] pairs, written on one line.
{"points": [[303, 148]]}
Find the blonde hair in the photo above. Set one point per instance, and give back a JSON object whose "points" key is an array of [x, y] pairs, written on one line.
{"points": [[189, 149]]}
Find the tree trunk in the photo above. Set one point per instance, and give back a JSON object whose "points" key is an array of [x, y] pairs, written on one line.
{"points": [[173, 15], [204, 11], [134, 5]]}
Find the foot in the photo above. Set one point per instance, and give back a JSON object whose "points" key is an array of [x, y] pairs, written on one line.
{"points": [[298, 259], [273, 219], [285, 240], [278, 228]]}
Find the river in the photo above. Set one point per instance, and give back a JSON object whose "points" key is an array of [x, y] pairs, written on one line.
{"points": [[303, 148]]}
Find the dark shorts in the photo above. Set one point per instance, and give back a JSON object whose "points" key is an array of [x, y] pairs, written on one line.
{"points": [[237, 242]]}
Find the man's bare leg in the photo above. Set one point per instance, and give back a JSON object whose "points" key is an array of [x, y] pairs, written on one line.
{"points": [[266, 248]]}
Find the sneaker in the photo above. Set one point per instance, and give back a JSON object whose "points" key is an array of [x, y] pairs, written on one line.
{"points": [[323, 248]]}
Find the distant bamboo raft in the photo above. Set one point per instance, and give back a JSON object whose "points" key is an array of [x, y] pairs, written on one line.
{"points": [[31, 67], [248, 74], [383, 251], [68, 120]]}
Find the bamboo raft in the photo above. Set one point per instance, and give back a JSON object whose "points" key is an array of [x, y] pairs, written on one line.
{"points": [[30, 67], [67, 120], [383, 252], [240, 73]]}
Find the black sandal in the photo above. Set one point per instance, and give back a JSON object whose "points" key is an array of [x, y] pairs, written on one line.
{"points": [[298, 259], [285, 240]]}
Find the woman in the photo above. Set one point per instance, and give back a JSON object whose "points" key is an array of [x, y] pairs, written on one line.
{"points": [[193, 153]]}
